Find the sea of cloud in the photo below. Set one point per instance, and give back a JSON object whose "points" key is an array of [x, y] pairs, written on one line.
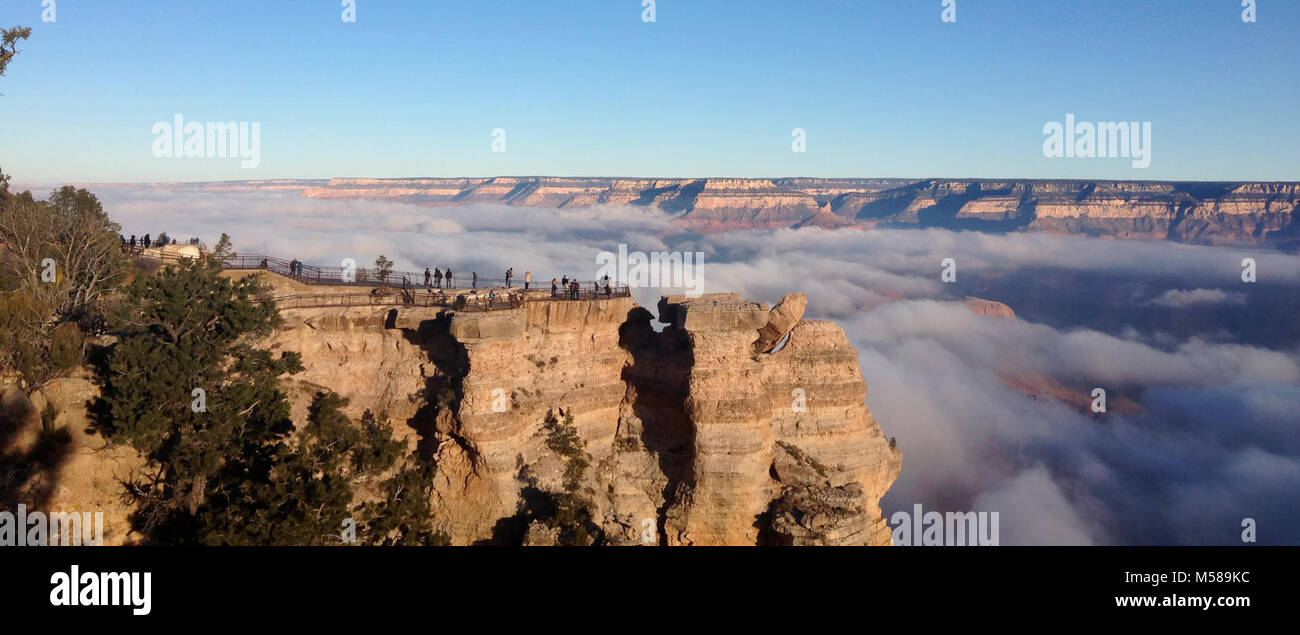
{"points": [[1215, 440]]}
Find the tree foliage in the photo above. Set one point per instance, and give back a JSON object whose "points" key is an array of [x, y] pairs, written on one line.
{"points": [[383, 267], [573, 517], [57, 261], [401, 514], [226, 466], [224, 248], [71, 234], [8, 49], [9, 44]]}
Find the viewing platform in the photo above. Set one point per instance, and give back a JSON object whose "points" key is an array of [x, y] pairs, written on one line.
{"points": [[461, 292]]}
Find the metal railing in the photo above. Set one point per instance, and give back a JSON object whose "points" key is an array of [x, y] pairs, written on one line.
{"points": [[469, 302], [462, 293], [369, 277]]}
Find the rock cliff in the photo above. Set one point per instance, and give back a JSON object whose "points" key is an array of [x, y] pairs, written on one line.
{"points": [[733, 424], [1197, 212]]}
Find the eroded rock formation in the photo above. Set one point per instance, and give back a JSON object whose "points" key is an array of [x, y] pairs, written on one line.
{"points": [[690, 427]]}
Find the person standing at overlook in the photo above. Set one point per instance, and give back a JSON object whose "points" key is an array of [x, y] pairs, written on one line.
{"points": [[510, 275], [426, 277], [437, 277], [528, 279], [447, 275]]}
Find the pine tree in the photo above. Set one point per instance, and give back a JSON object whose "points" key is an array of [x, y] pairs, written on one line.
{"points": [[9, 44], [573, 516], [189, 330], [383, 268], [224, 248], [187, 385]]}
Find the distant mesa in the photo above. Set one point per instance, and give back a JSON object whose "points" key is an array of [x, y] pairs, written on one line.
{"points": [[1235, 213], [1045, 387], [1040, 386], [980, 306]]}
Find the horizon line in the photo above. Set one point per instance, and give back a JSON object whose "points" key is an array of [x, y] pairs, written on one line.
{"points": [[655, 178]]}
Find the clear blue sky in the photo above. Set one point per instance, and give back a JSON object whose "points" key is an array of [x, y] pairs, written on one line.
{"points": [[712, 88]]}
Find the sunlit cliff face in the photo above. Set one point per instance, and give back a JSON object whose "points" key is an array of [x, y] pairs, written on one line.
{"points": [[1210, 363]]}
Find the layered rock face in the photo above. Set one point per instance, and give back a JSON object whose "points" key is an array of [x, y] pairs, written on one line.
{"points": [[517, 366], [1212, 213], [697, 434], [753, 412]]}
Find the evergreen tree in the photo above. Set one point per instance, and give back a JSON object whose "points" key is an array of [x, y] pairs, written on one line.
{"points": [[189, 329], [9, 44], [402, 513], [224, 248], [225, 464], [8, 49], [573, 516], [383, 267]]}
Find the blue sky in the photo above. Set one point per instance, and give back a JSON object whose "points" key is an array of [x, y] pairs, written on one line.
{"points": [[711, 88]]}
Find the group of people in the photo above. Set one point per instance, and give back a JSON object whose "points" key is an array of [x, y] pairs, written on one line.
{"points": [[438, 276], [440, 279], [510, 278], [145, 242], [572, 289], [129, 244]]}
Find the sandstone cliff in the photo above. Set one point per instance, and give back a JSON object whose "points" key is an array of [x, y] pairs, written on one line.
{"points": [[696, 433], [68, 469], [719, 422]]}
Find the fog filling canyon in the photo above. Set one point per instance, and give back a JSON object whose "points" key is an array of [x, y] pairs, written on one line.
{"points": [[1202, 370]]}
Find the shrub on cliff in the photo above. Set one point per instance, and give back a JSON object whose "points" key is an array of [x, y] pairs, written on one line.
{"points": [[401, 514], [572, 517], [37, 350]]}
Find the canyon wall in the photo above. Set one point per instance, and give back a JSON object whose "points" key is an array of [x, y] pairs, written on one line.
{"points": [[733, 424], [1197, 212]]}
